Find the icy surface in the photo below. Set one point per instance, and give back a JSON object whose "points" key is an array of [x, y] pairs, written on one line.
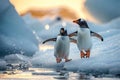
{"points": [[105, 11], [104, 55], [15, 36]]}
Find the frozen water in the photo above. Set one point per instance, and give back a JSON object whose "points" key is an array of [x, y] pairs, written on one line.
{"points": [[2, 64], [104, 55], [15, 36], [21, 39], [105, 10]]}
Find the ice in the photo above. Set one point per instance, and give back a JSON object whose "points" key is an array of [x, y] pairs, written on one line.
{"points": [[2, 64], [15, 36], [104, 55], [105, 11], [16, 58], [18, 38]]}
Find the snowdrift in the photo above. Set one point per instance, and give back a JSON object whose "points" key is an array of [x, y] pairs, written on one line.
{"points": [[15, 36]]}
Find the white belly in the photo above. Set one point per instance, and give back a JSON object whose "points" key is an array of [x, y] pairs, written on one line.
{"points": [[62, 46], [84, 41]]}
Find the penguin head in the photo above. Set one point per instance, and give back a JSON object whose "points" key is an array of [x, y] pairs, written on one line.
{"points": [[78, 21], [81, 22], [62, 31]]}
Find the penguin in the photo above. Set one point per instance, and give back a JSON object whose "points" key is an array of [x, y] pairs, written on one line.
{"points": [[84, 39], [62, 46]]}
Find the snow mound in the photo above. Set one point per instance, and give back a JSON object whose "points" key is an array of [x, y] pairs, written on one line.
{"points": [[15, 36], [104, 55]]}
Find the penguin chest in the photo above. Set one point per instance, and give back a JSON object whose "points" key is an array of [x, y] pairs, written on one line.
{"points": [[84, 41], [62, 46]]}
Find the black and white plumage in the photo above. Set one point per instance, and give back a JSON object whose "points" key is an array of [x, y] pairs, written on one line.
{"points": [[62, 45], [84, 41]]}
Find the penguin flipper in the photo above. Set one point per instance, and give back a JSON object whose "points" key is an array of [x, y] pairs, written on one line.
{"points": [[51, 39], [73, 40], [96, 35], [73, 34]]}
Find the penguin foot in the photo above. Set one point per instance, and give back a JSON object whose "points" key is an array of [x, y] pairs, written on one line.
{"points": [[67, 60], [82, 55], [58, 60], [88, 54]]}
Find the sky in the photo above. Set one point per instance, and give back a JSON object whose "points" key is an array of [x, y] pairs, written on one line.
{"points": [[76, 5], [98, 11]]}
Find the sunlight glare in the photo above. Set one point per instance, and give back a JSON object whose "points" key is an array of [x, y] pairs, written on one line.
{"points": [[47, 27], [77, 5], [45, 47], [63, 24]]}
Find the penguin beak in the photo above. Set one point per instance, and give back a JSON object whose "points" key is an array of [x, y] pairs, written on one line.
{"points": [[76, 21]]}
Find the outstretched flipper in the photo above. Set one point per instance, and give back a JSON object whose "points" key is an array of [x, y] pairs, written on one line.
{"points": [[73, 34], [96, 35], [51, 39], [73, 40]]}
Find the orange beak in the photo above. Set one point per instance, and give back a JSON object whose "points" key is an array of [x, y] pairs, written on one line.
{"points": [[75, 21]]}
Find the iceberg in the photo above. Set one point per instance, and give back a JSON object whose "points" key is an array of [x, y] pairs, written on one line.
{"points": [[105, 11], [15, 36]]}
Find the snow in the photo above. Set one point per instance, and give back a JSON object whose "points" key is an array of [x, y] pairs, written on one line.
{"points": [[104, 55], [15, 36], [105, 11], [2, 64]]}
